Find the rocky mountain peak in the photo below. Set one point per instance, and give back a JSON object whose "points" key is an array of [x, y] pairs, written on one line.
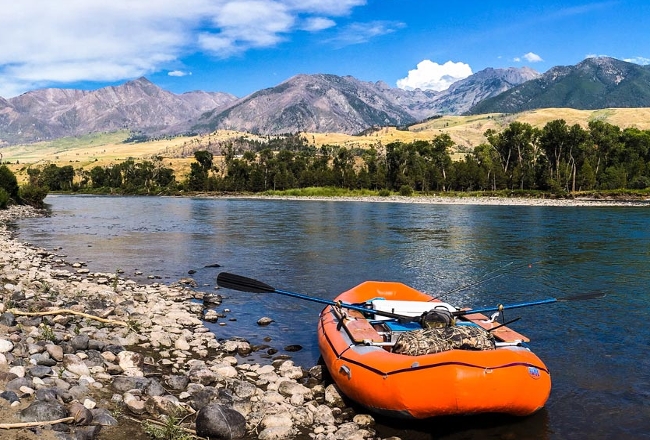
{"points": [[594, 83], [138, 105]]}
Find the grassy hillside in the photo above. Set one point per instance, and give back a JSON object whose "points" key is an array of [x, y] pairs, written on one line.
{"points": [[466, 131]]}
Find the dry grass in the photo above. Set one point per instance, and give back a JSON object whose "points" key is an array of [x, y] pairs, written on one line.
{"points": [[466, 131]]}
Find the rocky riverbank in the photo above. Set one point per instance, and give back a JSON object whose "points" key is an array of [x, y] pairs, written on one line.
{"points": [[473, 200], [88, 355]]}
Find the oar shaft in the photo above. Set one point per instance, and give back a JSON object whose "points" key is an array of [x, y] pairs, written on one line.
{"points": [[244, 284], [344, 305], [506, 306]]}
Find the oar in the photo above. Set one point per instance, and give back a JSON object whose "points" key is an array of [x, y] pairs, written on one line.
{"points": [[529, 303], [244, 284]]}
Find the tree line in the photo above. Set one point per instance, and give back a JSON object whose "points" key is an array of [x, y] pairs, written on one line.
{"points": [[557, 158]]}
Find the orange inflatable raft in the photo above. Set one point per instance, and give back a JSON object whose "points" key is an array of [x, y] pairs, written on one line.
{"points": [[358, 350]]}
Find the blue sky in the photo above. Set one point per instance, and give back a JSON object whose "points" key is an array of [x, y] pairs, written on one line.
{"points": [[240, 46]]}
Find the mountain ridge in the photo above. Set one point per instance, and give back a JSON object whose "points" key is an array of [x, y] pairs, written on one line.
{"points": [[594, 83], [138, 105], [316, 103], [325, 102]]}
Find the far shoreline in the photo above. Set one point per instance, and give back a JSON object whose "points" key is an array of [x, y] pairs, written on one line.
{"points": [[454, 200], [487, 200]]}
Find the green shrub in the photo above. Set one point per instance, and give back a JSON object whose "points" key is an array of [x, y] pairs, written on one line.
{"points": [[384, 192], [8, 182], [406, 191], [4, 198], [33, 194]]}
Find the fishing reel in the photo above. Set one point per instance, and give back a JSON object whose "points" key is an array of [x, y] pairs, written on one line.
{"points": [[437, 318]]}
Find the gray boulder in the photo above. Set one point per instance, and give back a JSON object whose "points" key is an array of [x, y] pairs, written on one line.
{"points": [[220, 422], [40, 411]]}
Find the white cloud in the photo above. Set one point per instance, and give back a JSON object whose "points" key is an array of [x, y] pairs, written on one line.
{"points": [[47, 43], [358, 33], [326, 7], [314, 24], [433, 76], [179, 73], [638, 60], [532, 57], [238, 30]]}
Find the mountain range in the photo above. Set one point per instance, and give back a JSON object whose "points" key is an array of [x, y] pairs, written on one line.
{"points": [[317, 103], [594, 83]]}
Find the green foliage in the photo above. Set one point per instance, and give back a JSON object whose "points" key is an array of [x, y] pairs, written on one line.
{"points": [[4, 198], [558, 158], [198, 179], [169, 430], [322, 191], [8, 182], [54, 177], [116, 280], [384, 192], [47, 333], [136, 137], [405, 191], [131, 177], [33, 194]]}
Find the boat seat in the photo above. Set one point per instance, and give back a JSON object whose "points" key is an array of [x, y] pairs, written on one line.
{"points": [[502, 333], [358, 327], [407, 308]]}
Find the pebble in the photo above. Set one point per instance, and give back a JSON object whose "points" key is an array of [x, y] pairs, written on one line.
{"points": [[163, 362]]}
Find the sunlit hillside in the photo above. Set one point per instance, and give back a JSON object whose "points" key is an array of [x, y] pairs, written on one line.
{"points": [[466, 131]]}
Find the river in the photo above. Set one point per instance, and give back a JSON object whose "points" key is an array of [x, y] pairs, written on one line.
{"points": [[471, 255]]}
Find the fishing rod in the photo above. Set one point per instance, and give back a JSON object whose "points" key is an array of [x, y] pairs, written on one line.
{"points": [[485, 278]]}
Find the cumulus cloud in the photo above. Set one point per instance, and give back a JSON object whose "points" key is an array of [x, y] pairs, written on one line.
{"points": [[433, 76], [45, 43], [238, 30], [533, 57], [179, 73]]}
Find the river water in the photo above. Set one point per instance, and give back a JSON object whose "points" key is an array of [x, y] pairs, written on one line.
{"points": [[597, 350]]}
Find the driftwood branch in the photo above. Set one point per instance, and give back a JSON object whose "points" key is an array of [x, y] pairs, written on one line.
{"points": [[69, 312], [30, 424]]}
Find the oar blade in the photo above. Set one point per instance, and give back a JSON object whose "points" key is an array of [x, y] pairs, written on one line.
{"points": [[242, 284]]}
